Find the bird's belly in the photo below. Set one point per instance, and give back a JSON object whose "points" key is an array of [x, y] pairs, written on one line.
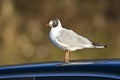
{"points": [[57, 43], [64, 47]]}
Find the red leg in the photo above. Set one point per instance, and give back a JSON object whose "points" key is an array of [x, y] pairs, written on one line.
{"points": [[67, 56]]}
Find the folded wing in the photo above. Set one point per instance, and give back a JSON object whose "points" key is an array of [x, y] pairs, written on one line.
{"points": [[72, 39]]}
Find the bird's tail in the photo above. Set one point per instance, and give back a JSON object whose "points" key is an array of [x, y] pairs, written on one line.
{"points": [[97, 45]]}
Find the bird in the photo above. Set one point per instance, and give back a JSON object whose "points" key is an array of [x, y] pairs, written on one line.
{"points": [[68, 40]]}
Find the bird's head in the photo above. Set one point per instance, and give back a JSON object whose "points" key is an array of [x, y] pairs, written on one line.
{"points": [[54, 23]]}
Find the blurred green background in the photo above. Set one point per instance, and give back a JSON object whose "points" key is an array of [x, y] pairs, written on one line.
{"points": [[24, 36]]}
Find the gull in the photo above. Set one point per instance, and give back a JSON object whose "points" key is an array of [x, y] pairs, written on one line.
{"points": [[69, 40]]}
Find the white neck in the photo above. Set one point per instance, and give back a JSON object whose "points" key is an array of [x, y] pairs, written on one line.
{"points": [[57, 29], [54, 30]]}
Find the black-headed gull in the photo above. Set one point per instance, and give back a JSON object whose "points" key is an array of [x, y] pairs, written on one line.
{"points": [[68, 40]]}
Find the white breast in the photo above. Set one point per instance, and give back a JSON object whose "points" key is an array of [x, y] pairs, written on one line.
{"points": [[54, 32]]}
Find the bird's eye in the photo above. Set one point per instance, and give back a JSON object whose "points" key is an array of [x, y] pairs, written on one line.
{"points": [[54, 24]]}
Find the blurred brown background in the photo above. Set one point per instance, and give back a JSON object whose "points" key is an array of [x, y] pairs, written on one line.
{"points": [[24, 36]]}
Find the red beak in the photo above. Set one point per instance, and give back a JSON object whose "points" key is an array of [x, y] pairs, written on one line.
{"points": [[48, 25]]}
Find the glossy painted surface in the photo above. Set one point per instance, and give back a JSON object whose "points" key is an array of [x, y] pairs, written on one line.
{"points": [[108, 69]]}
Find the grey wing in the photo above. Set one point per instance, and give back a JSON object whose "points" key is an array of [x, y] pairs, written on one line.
{"points": [[72, 39]]}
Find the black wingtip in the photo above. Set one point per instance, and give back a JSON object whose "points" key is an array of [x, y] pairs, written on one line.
{"points": [[97, 44], [105, 45]]}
